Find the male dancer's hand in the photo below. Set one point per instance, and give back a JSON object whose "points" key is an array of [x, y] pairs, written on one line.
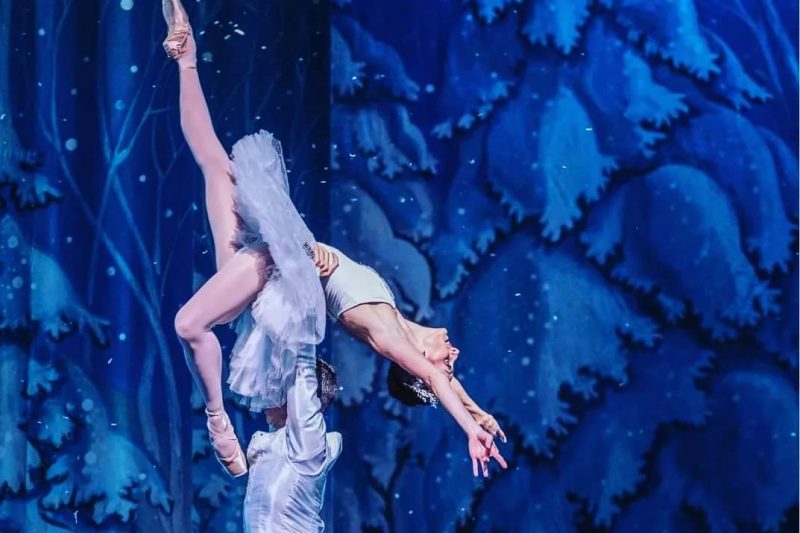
{"points": [[325, 260]]}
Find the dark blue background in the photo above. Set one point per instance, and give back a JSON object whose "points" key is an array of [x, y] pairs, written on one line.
{"points": [[598, 199]]}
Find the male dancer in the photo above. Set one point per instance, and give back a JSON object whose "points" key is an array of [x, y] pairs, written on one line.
{"points": [[288, 466]]}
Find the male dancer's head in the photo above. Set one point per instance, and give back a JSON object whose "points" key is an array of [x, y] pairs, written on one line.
{"points": [[328, 385]]}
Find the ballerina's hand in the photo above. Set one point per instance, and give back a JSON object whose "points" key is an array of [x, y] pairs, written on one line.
{"points": [[325, 260], [488, 422], [482, 449]]}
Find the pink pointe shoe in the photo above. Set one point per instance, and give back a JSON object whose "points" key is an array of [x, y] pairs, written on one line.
{"points": [[179, 31], [236, 464]]}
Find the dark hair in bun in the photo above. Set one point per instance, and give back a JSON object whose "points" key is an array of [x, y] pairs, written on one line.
{"points": [[408, 388]]}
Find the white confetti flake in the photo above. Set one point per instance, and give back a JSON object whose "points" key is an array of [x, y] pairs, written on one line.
{"points": [[71, 144]]}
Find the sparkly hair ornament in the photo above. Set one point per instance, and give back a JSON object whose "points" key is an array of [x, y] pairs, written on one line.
{"points": [[422, 391], [408, 388]]}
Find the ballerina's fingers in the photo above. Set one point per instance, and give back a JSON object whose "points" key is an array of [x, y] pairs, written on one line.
{"points": [[334, 263], [501, 434], [325, 261], [320, 260], [497, 431], [495, 454], [490, 424]]}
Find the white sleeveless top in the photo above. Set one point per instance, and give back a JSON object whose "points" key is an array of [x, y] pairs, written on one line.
{"points": [[353, 284]]}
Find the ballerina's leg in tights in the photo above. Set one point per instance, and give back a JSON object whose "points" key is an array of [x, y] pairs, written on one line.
{"points": [[238, 278]]}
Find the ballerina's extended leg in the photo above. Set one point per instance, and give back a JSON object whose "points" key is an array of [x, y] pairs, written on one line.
{"points": [[221, 298], [198, 130], [218, 301]]}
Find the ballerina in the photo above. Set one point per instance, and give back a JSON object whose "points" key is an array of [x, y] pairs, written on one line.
{"points": [[358, 298], [247, 201], [268, 265]]}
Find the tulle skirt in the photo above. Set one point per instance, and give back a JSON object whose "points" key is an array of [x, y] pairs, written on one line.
{"points": [[289, 313]]}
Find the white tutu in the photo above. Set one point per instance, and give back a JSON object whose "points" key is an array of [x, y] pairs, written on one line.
{"points": [[289, 313]]}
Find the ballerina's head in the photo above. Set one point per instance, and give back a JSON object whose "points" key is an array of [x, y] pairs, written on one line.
{"points": [[327, 385], [412, 390]]}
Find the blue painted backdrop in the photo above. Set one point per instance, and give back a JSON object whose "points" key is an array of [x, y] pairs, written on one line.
{"points": [[597, 198]]}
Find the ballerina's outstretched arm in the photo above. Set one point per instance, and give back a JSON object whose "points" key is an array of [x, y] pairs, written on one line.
{"points": [[480, 443], [377, 326], [484, 419]]}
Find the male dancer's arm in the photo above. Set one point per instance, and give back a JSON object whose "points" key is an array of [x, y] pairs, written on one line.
{"points": [[484, 419], [305, 425]]}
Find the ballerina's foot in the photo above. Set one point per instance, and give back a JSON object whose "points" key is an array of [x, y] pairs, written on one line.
{"points": [[179, 44], [225, 444], [182, 49]]}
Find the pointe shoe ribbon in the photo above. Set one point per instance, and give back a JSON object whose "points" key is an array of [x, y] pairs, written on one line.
{"points": [[236, 464]]}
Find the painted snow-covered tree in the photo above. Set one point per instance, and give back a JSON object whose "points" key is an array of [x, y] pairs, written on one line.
{"points": [[102, 240], [598, 199], [74, 251]]}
